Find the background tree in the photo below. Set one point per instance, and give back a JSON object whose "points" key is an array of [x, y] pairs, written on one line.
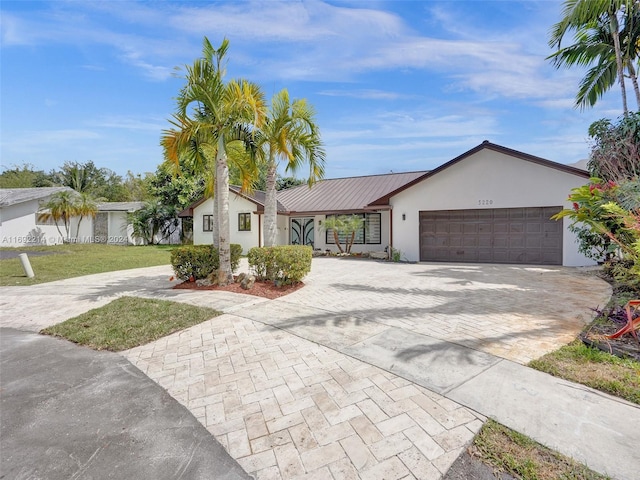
{"points": [[615, 154], [290, 134], [215, 113], [606, 36], [25, 176], [154, 222]]}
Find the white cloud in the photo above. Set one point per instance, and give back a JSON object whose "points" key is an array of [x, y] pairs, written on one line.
{"points": [[129, 123], [366, 94]]}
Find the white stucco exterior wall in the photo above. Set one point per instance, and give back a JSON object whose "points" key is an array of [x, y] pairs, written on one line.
{"points": [[19, 226], [237, 204], [486, 179]]}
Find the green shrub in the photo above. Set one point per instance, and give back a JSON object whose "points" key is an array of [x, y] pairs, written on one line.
{"points": [[198, 261], [283, 265]]}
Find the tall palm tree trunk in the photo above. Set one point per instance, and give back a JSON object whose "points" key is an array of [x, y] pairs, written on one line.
{"points": [[224, 248], [634, 82], [215, 229], [613, 24], [271, 205]]}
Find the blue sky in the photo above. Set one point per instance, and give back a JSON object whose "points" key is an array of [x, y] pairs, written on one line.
{"points": [[397, 85]]}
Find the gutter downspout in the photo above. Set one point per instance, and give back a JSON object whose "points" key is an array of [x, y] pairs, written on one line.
{"points": [[260, 229], [390, 232]]}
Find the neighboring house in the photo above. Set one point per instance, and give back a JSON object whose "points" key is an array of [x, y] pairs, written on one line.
{"points": [[491, 204], [19, 222], [110, 225]]}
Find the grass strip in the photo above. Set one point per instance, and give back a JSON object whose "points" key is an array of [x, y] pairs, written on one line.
{"points": [[75, 260], [594, 368], [518, 455], [128, 322]]}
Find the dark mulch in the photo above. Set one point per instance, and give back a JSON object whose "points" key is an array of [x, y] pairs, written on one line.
{"points": [[624, 346], [259, 289]]}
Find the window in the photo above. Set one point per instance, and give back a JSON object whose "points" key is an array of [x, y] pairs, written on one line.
{"points": [[244, 222], [42, 219], [369, 234], [207, 223]]}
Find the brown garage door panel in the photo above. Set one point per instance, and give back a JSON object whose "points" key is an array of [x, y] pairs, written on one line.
{"points": [[499, 235]]}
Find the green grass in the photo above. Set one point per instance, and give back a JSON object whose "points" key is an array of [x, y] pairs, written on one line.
{"points": [[74, 260], [518, 455], [594, 368], [129, 322]]}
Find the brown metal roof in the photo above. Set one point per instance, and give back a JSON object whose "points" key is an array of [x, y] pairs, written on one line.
{"points": [[343, 194]]}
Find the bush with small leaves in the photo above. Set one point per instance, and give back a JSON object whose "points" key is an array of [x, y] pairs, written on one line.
{"points": [[283, 265], [198, 261]]}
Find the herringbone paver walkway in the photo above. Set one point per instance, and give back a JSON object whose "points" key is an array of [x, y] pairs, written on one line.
{"points": [[285, 407]]}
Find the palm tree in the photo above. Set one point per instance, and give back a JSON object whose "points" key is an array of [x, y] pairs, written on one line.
{"points": [[215, 114], [85, 206], [60, 206], [290, 134], [600, 40], [346, 226]]}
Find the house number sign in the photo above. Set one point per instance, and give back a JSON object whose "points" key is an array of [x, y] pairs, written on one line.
{"points": [[485, 202]]}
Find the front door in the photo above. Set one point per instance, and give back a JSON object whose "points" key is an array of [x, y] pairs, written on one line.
{"points": [[302, 231]]}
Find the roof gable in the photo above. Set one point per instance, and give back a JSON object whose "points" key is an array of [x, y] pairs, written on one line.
{"points": [[256, 196], [496, 148]]}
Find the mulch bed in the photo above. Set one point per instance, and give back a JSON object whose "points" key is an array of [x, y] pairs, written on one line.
{"points": [[259, 289], [624, 346]]}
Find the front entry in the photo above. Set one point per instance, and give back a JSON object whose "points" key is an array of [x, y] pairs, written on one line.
{"points": [[302, 231]]}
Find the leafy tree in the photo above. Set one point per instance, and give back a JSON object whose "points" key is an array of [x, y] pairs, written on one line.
{"points": [[137, 186], [101, 183], [211, 116], [282, 183], [607, 36], [344, 226], [25, 176], [615, 154], [290, 134], [154, 222]]}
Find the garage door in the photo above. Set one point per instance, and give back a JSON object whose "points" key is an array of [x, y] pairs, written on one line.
{"points": [[499, 235]]}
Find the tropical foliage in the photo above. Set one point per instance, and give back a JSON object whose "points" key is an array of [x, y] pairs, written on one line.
{"points": [[607, 40], [211, 116], [615, 154], [344, 226], [611, 213], [289, 134], [63, 206], [154, 222]]}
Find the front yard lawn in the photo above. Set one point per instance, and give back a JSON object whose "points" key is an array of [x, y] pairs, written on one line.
{"points": [[128, 322], [74, 260]]}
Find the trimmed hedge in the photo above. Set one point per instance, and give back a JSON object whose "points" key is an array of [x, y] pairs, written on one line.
{"points": [[198, 261], [283, 265]]}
